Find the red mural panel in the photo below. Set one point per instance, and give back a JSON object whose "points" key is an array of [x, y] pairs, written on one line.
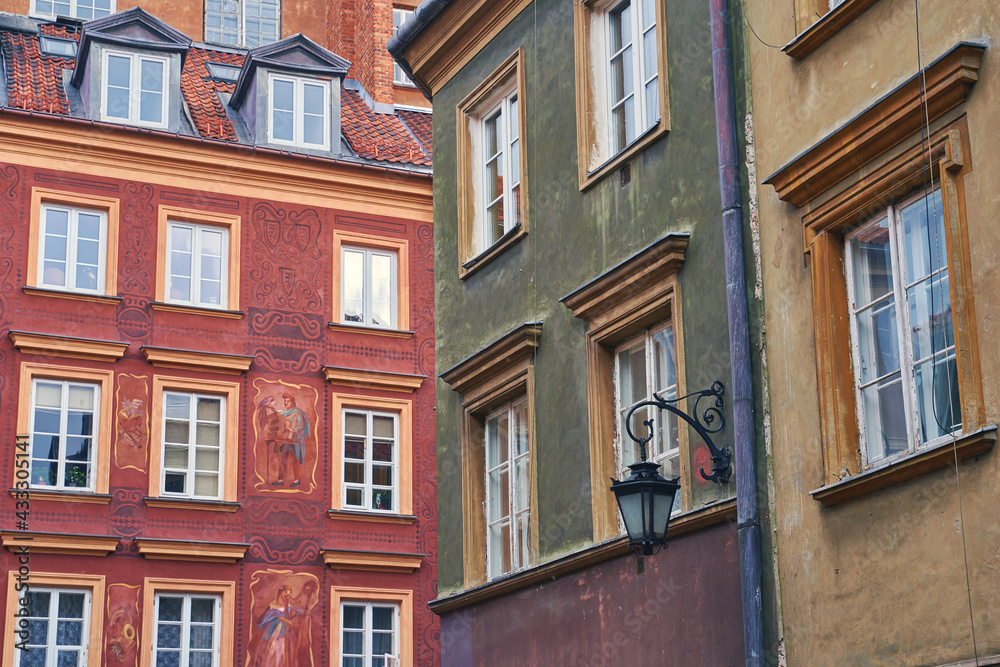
{"points": [[282, 446]]}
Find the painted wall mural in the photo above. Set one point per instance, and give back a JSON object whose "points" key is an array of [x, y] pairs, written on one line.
{"points": [[281, 610], [132, 417], [285, 450], [121, 640]]}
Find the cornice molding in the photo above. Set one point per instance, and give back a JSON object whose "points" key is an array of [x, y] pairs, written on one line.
{"points": [[517, 346], [205, 552], [883, 125], [371, 517], [67, 144], [372, 561], [637, 278], [687, 522], [191, 504], [59, 543], [368, 379], [455, 36], [68, 346], [165, 357]]}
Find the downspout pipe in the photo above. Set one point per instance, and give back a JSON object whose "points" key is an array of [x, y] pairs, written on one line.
{"points": [[747, 509]]}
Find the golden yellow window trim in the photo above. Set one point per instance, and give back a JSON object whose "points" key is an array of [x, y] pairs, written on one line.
{"points": [[503, 371], [167, 214], [824, 229], [629, 298], [402, 249], [368, 379], [509, 74], [230, 472], [371, 561], [593, 163], [93, 583], [166, 357], [225, 589], [403, 598], [102, 460], [68, 346], [107, 205], [60, 543], [401, 407], [205, 552]]}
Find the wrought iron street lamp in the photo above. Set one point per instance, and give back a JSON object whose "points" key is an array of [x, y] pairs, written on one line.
{"points": [[646, 499]]}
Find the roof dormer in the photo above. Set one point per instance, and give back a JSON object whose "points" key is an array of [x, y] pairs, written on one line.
{"points": [[128, 70], [288, 94]]}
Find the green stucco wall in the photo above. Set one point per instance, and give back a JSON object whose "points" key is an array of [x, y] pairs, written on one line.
{"points": [[574, 237]]}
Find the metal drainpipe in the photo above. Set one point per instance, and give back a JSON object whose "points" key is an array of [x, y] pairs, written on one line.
{"points": [[747, 510]]}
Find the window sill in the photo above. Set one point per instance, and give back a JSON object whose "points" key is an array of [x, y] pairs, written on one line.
{"points": [[75, 296], [826, 27], [374, 331], [64, 496], [371, 517], [684, 522], [480, 260], [589, 178], [197, 310], [192, 504], [967, 446]]}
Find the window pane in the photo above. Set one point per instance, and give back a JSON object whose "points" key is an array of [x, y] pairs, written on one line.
{"points": [[206, 484], [168, 636], [209, 409], [878, 342], [937, 399], [382, 290], [885, 419], [930, 316], [175, 457], [923, 223], [202, 610], [71, 605], [354, 617], [382, 499], [871, 259], [354, 281], [69, 633]]}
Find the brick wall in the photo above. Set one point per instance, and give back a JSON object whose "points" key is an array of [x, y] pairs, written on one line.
{"points": [[340, 27], [373, 65]]}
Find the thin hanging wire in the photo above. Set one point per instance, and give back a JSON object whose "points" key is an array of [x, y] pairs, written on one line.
{"points": [[746, 19], [935, 262]]}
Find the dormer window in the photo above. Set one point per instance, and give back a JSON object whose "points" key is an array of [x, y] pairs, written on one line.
{"points": [[134, 89], [77, 9], [298, 111], [227, 73]]}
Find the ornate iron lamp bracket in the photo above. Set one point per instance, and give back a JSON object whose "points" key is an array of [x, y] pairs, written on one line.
{"points": [[703, 422]]}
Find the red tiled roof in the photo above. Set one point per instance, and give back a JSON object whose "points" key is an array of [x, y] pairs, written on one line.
{"points": [[420, 124], [34, 83], [200, 92], [379, 136], [34, 80]]}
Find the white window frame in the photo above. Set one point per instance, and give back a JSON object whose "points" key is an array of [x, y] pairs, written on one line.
{"points": [[74, 10], [299, 84], [134, 97], [655, 450], [904, 331], [51, 647], [367, 286], [505, 111], [642, 123], [520, 555], [63, 417], [368, 630], [399, 17], [190, 470], [195, 277], [369, 486], [185, 623], [72, 248], [241, 28]]}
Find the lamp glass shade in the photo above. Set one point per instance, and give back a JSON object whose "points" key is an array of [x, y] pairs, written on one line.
{"points": [[645, 500], [631, 506]]}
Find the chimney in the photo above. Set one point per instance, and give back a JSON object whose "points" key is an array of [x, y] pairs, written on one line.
{"points": [[372, 63]]}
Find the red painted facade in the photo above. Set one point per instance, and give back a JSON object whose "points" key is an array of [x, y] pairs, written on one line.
{"points": [[268, 548], [286, 281]]}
